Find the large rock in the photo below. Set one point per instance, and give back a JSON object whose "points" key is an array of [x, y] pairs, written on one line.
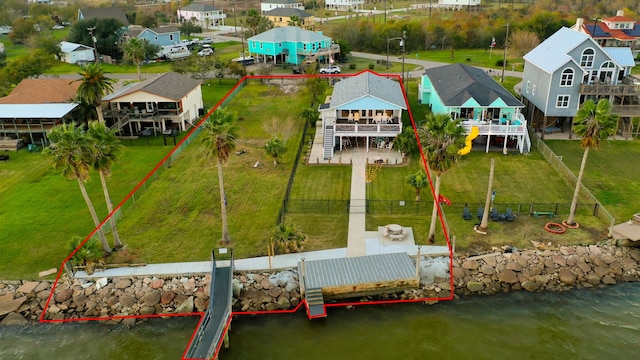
{"points": [[237, 287], [157, 283], [508, 276], [475, 286], [608, 280], [152, 298], [470, 265], [186, 306], [167, 297], [567, 277], [63, 295], [122, 283], [487, 269], [127, 300], [28, 287], [14, 319], [9, 305], [530, 285]]}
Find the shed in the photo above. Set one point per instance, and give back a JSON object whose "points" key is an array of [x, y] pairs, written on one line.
{"points": [[73, 53]]}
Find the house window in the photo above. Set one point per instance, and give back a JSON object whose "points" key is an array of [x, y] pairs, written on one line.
{"points": [[533, 90], [280, 44], [155, 37], [261, 45], [171, 37], [587, 58], [567, 77], [280, 20], [528, 86], [563, 101]]}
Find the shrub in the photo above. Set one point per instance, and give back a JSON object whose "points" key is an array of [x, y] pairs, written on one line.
{"points": [[499, 62], [371, 66], [352, 66], [287, 238], [468, 59]]}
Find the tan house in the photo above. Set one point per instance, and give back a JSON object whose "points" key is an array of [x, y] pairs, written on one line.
{"points": [[281, 17]]}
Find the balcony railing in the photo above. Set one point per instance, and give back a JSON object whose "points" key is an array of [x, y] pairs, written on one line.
{"points": [[626, 110], [368, 129], [600, 89]]}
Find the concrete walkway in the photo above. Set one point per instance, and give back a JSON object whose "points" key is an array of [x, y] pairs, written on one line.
{"points": [[356, 244]]}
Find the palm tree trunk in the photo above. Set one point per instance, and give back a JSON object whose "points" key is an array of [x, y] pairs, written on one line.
{"points": [[485, 215], [434, 213], [417, 194], [139, 76], [96, 221], [574, 202], [223, 207], [114, 229], [100, 115]]}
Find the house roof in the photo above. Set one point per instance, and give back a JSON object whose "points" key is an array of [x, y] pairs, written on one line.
{"points": [[67, 47], [200, 7], [288, 12], [135, 31], [367, 84], [35, 111], [602, 30], [621, 55], [290, 34], [42, 91], [106, 13], [165, 29], [281, 2], [457, 83], [551, 54], [170, 85]]}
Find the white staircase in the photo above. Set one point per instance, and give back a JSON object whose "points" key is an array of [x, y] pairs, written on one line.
{"points": [[328, 142]]}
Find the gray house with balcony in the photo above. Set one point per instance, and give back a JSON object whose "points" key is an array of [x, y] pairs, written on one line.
{"points": [[364, 110], [570, 68]]}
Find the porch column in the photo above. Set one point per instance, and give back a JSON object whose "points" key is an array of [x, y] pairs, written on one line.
{"points": [[544, 126]]}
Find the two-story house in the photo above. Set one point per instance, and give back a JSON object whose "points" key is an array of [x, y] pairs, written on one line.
{"points": [[569, 68], [292, 45], [343, 5], [113, 12], [469, 93], [202, 14], [615, 31], [161, 36], [269, 5], [281, 17], [365, 110]]}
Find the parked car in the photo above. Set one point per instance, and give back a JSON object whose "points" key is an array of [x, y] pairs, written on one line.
{"points": [[331, 69], [206, 41], [57, 27], [205, 51]]}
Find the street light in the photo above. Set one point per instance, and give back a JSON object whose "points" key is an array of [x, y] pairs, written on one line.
{"points": [[402, 39], [504, 59], [95, 47]]}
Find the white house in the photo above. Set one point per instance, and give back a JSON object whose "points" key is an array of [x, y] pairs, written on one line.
{"points": [[343, 5], [269, 5], [204, 15], [73, 53], [170, 101], [458, 4]]}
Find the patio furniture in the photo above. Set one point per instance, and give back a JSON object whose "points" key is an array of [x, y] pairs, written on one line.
{"points": [[480, 213], [509, 215], [466, 213], [494, 214], [350, 118]]}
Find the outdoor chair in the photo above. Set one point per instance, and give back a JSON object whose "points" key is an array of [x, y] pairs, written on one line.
{"points": [[480, 213], [494, 214], [509, 215], [466, 213]]}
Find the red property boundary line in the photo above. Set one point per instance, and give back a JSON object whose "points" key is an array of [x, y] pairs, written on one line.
{"points": [[201, 314]]}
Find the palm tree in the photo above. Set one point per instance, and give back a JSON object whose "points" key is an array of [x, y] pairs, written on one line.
{"points": [[275, 148], [108, 148], [135, 49], [441, 139], [73, 151], [294, 21], [593, 122], [94, 85], [418, 181], [220, 140]]}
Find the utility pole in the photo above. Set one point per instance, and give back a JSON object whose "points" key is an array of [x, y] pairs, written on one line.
{"points": [[95, 48], [504, 60], [404, 46]]}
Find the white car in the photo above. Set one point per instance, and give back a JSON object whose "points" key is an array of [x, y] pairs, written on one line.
{"points": [[206, 41], [57, 27], [207, 51], [331, 69]]}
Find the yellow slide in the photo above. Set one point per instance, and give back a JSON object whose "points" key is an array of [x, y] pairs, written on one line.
{"points": [[467, 143]]}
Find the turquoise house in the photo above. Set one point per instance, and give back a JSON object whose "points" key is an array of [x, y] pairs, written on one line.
{"points": [[291, 45]]}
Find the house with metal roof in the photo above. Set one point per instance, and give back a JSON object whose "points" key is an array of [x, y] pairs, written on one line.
{"points": [[363, 109], [292, 45], [290, 16], [73, 53], [167, 102], [35, 106], [570, 68], [268, 5], [469, 93], [202, 14], [615, 31]]}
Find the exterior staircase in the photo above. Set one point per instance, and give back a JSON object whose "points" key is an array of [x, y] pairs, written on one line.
{"points": [[315, 303], [328, 142]]}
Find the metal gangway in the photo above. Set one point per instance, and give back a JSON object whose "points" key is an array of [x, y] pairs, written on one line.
{"points": [[212, 330]]}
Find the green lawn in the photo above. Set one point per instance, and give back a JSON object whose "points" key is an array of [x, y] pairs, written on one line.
{"points": [[177, 217]]}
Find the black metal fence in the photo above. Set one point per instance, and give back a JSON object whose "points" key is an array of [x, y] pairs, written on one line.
{"points": [[294, 168], [411, 207]]}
